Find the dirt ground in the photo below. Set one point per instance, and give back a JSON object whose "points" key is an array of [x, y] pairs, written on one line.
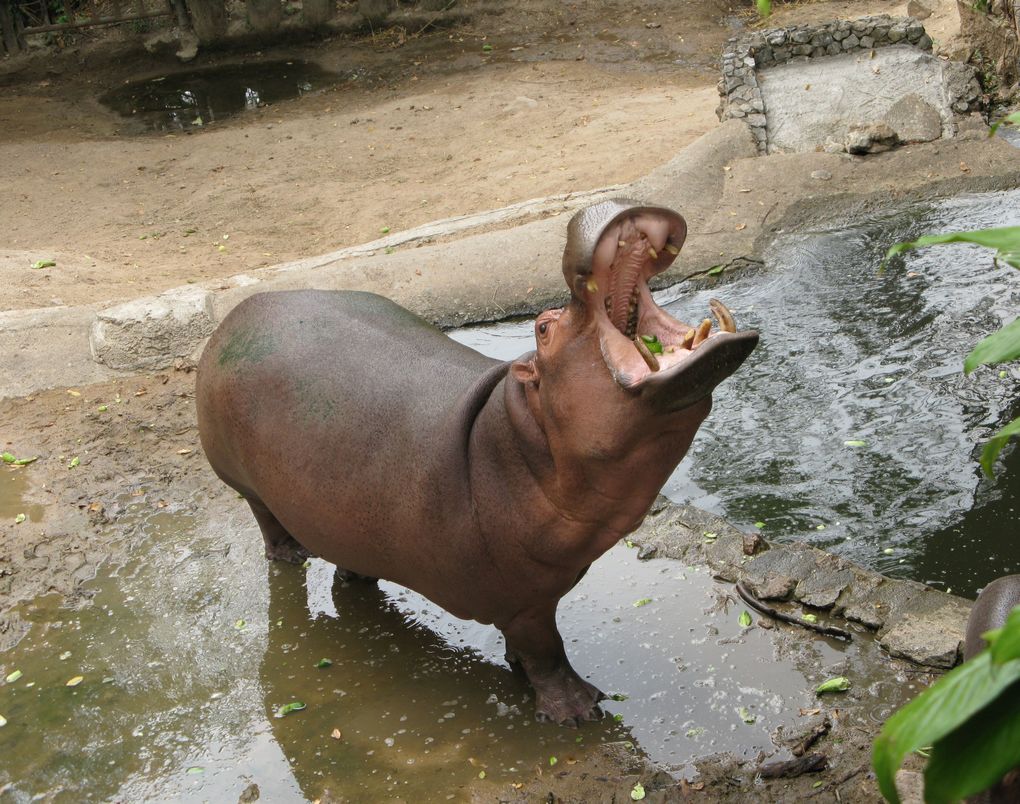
{"points": [[571, 96]]}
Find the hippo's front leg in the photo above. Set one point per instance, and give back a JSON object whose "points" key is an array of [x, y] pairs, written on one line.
{"points": [[561, 695]]}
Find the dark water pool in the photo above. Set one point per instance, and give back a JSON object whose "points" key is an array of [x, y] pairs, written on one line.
{"points": [[853, 354], [196, 98]]}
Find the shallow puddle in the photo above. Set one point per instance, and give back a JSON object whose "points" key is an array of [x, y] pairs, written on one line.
{"points": [[196, 98], [850, 353], [13, 485], [187, 653]]}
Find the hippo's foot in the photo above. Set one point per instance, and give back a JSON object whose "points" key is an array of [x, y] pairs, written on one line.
{"points": [[346, 576], [561, 695], [280, 545], [566, 699]]}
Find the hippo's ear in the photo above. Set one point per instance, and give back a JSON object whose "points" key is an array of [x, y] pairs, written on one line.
{"points": [[525, 369]]}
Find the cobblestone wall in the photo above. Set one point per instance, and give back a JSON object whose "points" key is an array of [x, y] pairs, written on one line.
{"points": [[746, 54]]}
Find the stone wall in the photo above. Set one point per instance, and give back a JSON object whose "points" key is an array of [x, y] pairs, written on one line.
{"points": [[746, 55]]}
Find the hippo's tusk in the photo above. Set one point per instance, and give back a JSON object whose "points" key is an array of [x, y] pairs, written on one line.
{"points": [[672, 249], [645, 352], [688, 339], [653, 253], [701, 334], [722, 315]]}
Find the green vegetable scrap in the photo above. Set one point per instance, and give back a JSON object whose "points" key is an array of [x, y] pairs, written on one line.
{"points": [[837, 684], [43, 264], [324, 663], [19, 519], [12, 677], [75, 461], [745, 715], [637, 792], [553, 761], [7, 457], [286, 709], [642, 602], [653, 344], [810, 618], [745, 618], [854, 444]]}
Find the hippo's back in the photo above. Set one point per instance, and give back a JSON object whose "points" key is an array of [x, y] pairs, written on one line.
{"points": [[313, 401]]}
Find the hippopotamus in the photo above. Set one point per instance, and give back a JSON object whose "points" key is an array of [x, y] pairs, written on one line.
{"points": [[990, 611], [361, 434]]}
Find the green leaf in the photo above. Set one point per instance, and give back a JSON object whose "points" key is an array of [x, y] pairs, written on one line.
{"points": [[324, 663], [1010, 119], [746, 716], [553, 761], [286, 709], [12, 677], [998, 347], [715, 270], [6, 457], [194, 770], [19, 519], [975, 756], [810, 618], [25, 461], [618, 696], [948, 703], [74, 462], [239, 624], [837, 684], [759, 524], [1005, 240], [764, 8], [43, 264], [642, 602], [487, 48], [1006, 646], [745, 618], [995, 444], [618, 717], [637, 792], [854, 443]]}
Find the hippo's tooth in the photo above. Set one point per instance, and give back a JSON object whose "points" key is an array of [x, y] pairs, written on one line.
{"points": [[688, 339], [592, 286], [722, 315], [672, 249], [653, 253], [645, 352], [622, 243], [701, 335]]}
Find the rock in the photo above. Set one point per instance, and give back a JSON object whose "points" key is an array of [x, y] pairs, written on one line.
{"points": [[914, 119], [149, 333], [821, 175], [919, 9], [870, 139], [924, 638], [249, 794], [647, 551]]}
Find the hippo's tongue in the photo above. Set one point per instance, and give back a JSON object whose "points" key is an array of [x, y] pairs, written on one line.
{"points": [[642, 345]]}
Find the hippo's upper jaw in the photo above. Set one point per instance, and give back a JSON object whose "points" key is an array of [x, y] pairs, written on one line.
{"points": [[613, 250]]}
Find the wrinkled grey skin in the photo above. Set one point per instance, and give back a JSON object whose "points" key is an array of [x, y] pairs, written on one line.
{"points": [[361, 434], [990, 610]]}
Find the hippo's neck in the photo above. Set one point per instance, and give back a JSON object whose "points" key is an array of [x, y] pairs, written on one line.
{"points": [[509, 450]]}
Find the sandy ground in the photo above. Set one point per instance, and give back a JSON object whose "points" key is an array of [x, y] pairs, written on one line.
{"points": [[572, 96]]}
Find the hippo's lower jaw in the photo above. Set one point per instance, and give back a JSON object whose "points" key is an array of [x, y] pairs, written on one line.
{"points": [[645, 348]]}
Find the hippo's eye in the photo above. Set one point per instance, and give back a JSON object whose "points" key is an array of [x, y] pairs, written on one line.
{"points": [[543, 327]]}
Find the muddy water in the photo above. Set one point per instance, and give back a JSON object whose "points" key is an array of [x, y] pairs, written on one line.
{"points": [[853, 354], [187, 653], [197, 98]]}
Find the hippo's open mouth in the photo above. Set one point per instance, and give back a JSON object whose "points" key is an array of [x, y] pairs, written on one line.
{"points": [[643, 346]]}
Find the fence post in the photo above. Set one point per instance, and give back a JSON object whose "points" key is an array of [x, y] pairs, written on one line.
{"points": [[12, 39]]}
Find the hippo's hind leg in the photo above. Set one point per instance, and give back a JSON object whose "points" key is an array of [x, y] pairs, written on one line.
{"points": [[534, 645], [280, 545]]}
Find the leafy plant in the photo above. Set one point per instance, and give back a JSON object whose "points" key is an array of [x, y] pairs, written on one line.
{"points": [[970, 717], [1002, 345]]}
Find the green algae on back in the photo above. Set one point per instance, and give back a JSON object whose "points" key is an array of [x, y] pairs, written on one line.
{"points": [[248, 345]]}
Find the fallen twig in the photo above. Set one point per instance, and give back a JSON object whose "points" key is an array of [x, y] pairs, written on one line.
{"points": [[768, 611]]}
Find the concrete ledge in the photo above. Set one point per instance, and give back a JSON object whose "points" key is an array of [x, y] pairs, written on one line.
{"points": [[150, 333], [912, 621]]}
